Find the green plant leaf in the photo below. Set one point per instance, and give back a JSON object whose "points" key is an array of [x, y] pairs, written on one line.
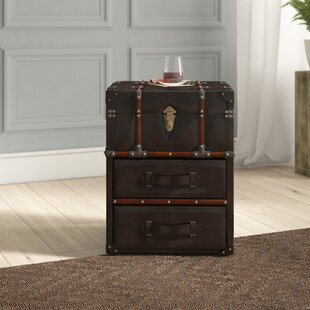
{"points": [[302, 8]]}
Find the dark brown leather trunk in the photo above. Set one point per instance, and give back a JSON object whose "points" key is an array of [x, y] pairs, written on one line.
{"points": [[170, 191], [185, 134]]}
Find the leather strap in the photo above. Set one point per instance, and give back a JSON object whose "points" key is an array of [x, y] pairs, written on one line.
{"points": [[149, 228], [166, 231], [202, 97], [139, 115], [176, 180]]}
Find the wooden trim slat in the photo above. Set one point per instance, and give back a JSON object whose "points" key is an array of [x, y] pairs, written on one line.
{"points": [[125, 154], [122, 154], [218, 154], [147, 201], [170, 154]]}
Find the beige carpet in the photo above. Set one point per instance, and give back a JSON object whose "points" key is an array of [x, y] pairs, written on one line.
{"points": [[267, 272]]}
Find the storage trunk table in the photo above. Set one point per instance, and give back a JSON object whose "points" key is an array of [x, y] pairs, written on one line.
{"points": [[302, 122], [169, 168]]}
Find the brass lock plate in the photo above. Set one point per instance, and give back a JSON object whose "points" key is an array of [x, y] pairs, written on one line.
{"points": [[169, 115]]}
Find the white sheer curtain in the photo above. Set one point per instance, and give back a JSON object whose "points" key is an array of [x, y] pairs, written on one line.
{"points": [[270, 49]]}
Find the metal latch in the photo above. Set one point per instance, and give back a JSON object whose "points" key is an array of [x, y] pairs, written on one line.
{"points": [[169, 114]]}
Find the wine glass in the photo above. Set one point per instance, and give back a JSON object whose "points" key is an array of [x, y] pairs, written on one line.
{"points": [[173, 69]]}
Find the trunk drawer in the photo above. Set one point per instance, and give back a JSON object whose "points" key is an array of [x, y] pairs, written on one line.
{"points": [[170, 228], [179, 178]]}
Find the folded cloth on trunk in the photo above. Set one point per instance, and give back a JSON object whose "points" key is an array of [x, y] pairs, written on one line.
{"points": [[160, 82]]}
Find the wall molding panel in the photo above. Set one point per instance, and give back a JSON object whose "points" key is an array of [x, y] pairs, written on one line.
{"points": [[1, 14], [55, 88], [57, 13], [58, 57], [52, 165], [1, 90], [208, 62], [177, 13]]}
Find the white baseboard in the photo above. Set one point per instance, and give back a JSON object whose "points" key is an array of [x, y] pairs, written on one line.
{"points": [[52, 165]]}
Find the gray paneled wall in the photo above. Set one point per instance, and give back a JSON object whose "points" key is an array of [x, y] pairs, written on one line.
{"points": [[58, 56]]}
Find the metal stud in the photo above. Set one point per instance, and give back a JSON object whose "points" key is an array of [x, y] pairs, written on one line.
{"points": [[170, 154], [223, 252], [230, 249], [142, 201], [116, 94], [193, 235], [225, 202], [144, 154], [115, 251], [168, 201], [196, 202], [109, 247]]}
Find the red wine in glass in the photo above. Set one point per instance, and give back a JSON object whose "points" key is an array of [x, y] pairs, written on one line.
{"points": [[172, 77], [173, 69]]}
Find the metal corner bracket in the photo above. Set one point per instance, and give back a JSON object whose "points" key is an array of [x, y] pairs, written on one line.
{"points": [[227, 251], [229, 114], [111, 250], [110, 154], [229, 154], [138, 152], [202, 153]]}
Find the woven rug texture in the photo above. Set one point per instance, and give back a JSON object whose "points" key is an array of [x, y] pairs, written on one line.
{"points": [[269, 271]]}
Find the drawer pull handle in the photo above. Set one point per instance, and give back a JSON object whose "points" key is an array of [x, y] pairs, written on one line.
{"points": [[170, 231], [149, 228], [175, 180]]}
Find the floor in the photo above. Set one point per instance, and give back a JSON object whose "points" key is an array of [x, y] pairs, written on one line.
{"points": [[56, 220]]}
